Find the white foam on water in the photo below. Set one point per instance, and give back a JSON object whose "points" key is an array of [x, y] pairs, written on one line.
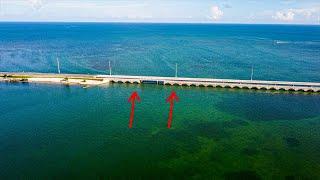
{"points": [[297, 42], [281, 42]]}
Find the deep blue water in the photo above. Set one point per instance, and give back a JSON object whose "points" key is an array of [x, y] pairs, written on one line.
{"points": [[277, 52]]}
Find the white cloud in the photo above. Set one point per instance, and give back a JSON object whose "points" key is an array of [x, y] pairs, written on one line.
{"points": [[36, 4], [284, 16], [306, 12], [216, 13], [292, 14]]}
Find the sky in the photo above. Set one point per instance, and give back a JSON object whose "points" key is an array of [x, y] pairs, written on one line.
{"points": [[159, 11]]}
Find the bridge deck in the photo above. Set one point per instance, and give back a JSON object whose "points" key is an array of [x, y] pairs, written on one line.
{"points": [[223, 83]]}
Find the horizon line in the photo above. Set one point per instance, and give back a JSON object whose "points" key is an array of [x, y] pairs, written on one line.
{"points": [[147, 22]]}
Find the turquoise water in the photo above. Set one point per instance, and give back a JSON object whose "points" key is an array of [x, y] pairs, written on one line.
{"points": [[53, 131], [277, 52]]}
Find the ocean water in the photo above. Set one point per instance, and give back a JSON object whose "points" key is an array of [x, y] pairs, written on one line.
{"points": [[54, 132], [219, 51]]}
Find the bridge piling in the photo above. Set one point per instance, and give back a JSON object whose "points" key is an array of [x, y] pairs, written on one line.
{"points": [[172, 81]]}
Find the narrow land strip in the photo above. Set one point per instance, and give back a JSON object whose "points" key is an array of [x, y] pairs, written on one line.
{"points": [[93, 80]]}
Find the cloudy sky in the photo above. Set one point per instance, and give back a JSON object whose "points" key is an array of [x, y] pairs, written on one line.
{"points": [[187, 11]]}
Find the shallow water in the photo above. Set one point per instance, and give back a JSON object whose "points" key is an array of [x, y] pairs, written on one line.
{"points": [[57, 131], [54, 131]]}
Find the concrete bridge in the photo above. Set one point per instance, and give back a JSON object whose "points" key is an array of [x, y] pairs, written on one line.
{"points": [[217, 83], [84, 79]]}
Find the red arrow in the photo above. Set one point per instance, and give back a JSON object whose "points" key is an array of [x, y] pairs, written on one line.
{"points": [[173, 97], [132, 99]]}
